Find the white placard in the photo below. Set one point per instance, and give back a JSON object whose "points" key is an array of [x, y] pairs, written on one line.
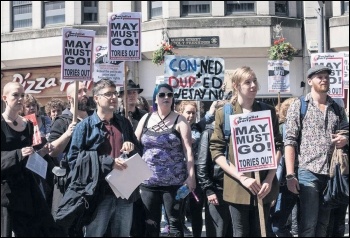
{"points": [[253, 141]]}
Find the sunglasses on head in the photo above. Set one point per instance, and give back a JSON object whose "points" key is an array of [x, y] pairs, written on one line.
{"points": [[169, 95]]}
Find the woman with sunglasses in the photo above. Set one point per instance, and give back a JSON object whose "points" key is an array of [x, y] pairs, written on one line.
{"points": [[166, 139], [23, 207], [241, 190]]}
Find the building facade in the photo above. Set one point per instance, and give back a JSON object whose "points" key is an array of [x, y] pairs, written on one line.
{"points": [[31, 36]]}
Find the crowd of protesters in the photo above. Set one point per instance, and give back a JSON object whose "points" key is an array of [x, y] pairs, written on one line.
{"points": [[74, 199]]}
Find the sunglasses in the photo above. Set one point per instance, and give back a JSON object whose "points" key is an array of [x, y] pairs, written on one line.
{"points": [[162, 95]]}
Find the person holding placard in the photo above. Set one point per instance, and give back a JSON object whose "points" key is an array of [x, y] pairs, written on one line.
{"points": [[23, 207], [109, 135], [242, 190]]}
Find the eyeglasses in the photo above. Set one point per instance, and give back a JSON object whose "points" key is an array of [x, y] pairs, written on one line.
{"points": [[108, 94], [162, 95]]}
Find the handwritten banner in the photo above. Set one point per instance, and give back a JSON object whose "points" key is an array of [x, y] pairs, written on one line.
{"points": [[195, 78]]}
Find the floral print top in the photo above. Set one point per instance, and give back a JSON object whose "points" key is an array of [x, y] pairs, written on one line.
{"points": [[315, 143], [164, 155]]}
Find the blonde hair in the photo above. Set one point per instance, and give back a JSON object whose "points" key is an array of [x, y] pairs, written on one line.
{"points": [[183, 104], [238, 76], [284, 108]]}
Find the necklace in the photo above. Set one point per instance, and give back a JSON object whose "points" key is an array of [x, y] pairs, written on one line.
{"points": [[14, 121], [161, 125]]}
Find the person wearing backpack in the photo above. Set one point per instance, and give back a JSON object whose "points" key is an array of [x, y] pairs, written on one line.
{"points": [[60, 137], [241, 190], [313, 138], [286, 204]]}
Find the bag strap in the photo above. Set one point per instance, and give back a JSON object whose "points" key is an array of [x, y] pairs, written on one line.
{"points": [[228, 110]]}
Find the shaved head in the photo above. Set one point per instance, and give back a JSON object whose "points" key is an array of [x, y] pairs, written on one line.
{"points": [[9, 86]]}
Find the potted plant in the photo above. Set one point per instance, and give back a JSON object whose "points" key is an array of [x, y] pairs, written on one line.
{"points": [[282, 50], [164, 49]]}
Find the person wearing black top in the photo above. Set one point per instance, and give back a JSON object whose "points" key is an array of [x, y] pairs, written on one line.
{"points": [[23, 207]]}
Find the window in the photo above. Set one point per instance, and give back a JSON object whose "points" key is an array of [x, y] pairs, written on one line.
{"points": [[21, 14], [234, 7], [195, 7], [281, 8], [54, 12], [90, 11], [156, 9], [345, 7]]}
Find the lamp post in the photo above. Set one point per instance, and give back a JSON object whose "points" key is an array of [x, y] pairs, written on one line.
{"points": [[320, 24]]}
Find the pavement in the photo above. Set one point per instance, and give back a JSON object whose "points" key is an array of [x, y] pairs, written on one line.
{"points": [[188, 224]]}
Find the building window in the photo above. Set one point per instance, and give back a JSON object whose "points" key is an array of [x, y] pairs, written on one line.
{"points": [[156, 9], [281, 8], [21, 14], [345, 7], [90, 11], [54, 12], [190, 8], [240, 7]]}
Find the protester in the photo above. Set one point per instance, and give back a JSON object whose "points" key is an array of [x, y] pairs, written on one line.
{"points": [[60, 137], [313, 138], [286, 200], [166, 141], [54, 108], [32, 106], [241, 190], [135, 114], [109, 135], [23, 207], [336, 226], [189, 110], [133, 91], [211, 177], [143, 104]]}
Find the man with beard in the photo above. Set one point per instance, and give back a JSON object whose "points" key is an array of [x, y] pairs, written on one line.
{"points": [[60, 137], [312, 140]]}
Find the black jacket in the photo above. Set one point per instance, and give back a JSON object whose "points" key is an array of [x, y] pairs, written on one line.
{"points": [[210, 175], [83, 192]]}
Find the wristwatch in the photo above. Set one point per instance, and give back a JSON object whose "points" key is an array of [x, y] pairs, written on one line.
{"points": [[290, 176]]}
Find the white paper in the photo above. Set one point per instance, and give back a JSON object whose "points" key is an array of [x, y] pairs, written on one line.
{"points": [[37, 164], [124, 182]]}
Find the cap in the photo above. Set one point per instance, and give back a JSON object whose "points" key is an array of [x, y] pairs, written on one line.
{"points": [[317, 69], [131, 86]]}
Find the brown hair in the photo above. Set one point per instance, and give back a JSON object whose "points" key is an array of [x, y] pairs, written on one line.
{"points": [[54, 103], [30, 99], [284, 108]]}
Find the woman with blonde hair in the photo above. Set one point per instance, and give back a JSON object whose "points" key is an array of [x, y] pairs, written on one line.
{"points": [[241, 190]]}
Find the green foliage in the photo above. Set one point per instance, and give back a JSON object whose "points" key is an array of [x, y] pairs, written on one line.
{"points": [[282, 50], [158, 55]]}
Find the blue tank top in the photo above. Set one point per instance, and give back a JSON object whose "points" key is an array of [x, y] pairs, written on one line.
{"points": [[164, 155]]}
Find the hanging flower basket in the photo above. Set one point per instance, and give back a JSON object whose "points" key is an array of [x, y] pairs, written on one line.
{"points": [[164, 49], [282, 50]]}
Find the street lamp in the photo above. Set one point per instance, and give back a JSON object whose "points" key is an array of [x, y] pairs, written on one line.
{"points": [[320, 24]]}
